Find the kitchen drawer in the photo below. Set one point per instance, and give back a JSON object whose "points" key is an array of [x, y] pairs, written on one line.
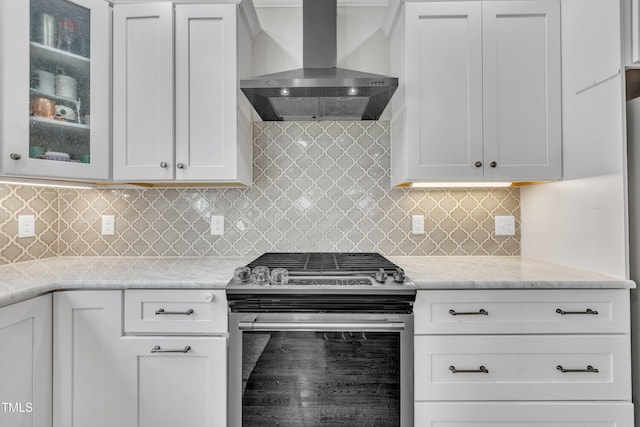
{"points": [[522, 367], [520, 311], [185, 311], [521, 414]]}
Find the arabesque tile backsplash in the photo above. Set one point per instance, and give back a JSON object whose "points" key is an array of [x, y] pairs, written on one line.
{"points": [[318, 186]]}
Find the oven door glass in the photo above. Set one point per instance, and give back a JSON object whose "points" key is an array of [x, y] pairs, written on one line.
{"points": [[314, 378]]}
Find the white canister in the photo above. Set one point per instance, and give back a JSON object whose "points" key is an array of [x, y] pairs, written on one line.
{"points": [[66, 86], [43, 81]]}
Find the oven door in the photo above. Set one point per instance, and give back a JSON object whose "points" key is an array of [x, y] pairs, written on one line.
{"points": [[313, 369]]}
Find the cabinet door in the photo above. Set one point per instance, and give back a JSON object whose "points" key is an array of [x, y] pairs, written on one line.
{"points": [[143, 92], [25, 363], [58, 78], [170, 382], [522, 94], [206, 92], [443, 49], [529, 414], [87, 331]]}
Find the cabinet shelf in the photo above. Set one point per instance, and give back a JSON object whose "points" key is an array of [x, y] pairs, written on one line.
{"points": [[72, 64], [50, 125]]}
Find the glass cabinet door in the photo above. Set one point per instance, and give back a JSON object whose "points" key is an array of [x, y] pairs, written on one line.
{"points": [[59, 96], [51, 95]]}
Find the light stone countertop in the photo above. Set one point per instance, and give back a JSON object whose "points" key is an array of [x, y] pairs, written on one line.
{"points": [[25, 280], [485, 272]]}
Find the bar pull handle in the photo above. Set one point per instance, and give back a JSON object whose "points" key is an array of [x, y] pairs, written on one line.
{"points": [[587, 311], [482, 311], [321, 326], [183, 313], [158, 349], [589, 368], [480, 370]]}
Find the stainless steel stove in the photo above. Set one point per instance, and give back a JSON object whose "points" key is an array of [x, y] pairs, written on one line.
{"points": [[321, 281], [305, 321]]}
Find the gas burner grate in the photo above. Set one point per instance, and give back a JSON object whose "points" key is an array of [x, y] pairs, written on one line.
{"points": [[325, 263]]}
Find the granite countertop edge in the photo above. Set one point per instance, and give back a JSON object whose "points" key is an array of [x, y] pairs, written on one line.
{"points": [[25, 280]]}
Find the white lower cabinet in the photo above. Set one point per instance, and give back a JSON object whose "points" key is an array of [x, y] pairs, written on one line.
{"points": [[176, 381], [524, 414], [87, 331], [25, 363], [522, 358], [102, 378], [173, 362]]}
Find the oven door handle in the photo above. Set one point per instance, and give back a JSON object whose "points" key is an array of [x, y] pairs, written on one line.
{"points": [[321, 326]]}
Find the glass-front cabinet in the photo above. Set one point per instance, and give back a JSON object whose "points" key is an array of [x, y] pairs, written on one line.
{"points": [[55, 88]]}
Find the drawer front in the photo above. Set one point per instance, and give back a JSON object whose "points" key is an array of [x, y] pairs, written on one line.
{"points": [[563, 414], [518, 311], [175, 311], [507, 367]]}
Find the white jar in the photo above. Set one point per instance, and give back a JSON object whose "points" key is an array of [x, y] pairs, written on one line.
{"points": [[43, 81], [66, 86]]}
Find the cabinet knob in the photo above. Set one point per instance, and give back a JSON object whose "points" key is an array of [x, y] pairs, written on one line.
{"points": [[478, 164], [209, 297], [163, 164], [493, 164], [15, 156], [180, 165]]}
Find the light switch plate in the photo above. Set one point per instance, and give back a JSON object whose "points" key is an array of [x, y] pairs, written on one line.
{"points": [[108, 225], [505, 225], [217, 225], [417, 224], [26, 226]]}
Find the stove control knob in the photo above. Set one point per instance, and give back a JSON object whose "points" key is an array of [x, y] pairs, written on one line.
{"points": [[399, 276], [279, 276], [242, 274], [381, 276]]}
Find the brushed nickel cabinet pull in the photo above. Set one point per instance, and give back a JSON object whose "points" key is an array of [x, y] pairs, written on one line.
{"points": [[184, 313], [589, 368], [163, 164], [480, 370], [15, 156], [482, 311], [158, 349], [587, 311]]}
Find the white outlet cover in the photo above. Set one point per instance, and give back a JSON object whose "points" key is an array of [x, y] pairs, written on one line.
{"points": [[26, 226], [417, 224], [108, 225], [505, 225], [217, 225]]}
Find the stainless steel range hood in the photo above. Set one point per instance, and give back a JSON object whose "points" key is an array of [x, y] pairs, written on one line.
{"points": [[319, 90]]}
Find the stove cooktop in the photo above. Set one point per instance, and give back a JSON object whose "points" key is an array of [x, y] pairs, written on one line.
{"points": [[319, 270], [320, 281], [325, 263]]}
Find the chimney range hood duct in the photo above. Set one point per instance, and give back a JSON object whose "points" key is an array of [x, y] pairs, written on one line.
{"points": [[319, 90]]}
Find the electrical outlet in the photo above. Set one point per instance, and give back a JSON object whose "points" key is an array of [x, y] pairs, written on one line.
{"points": [[26, 226], [108, 225], [217, 225], [417, 224], [505, 225]]}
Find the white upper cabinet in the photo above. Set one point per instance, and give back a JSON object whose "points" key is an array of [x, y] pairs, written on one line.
{"points": [[211, 140], [54, 115], [479, 96]]}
